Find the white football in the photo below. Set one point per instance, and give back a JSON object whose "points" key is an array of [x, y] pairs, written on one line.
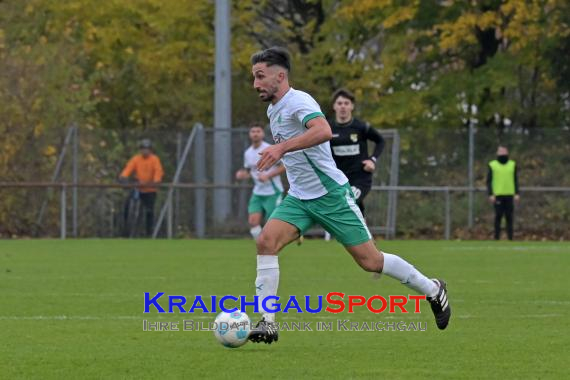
{"points": [[232, 329]]}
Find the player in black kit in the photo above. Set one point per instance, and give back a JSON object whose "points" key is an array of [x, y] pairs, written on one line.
{"points": [[349, 145]]}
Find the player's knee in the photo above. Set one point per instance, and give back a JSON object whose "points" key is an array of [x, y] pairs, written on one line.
{"points": [[254, 220], [266, 243]]}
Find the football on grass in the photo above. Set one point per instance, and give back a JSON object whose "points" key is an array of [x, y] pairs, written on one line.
{"points": [[232, 329]]}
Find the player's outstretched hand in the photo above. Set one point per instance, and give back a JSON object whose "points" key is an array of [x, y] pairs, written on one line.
{"points": [[270, 156]]}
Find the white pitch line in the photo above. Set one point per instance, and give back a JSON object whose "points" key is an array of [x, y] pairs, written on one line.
{"points": [[122, 296], [177, 317], [90, 317], [96, 295], [509, 248], [113, 278]]}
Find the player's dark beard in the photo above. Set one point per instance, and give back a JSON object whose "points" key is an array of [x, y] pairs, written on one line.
{"points": [[269, 94]]}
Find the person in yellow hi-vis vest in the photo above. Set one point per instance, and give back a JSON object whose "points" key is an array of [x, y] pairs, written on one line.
{"points": [[503, 189]]}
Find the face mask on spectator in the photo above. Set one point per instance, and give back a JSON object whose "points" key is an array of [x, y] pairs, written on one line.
{"points": [[503, 159]]}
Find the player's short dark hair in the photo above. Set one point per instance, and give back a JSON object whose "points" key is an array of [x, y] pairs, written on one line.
{"points": [[345, 94], [275, 55], [256, 125]]}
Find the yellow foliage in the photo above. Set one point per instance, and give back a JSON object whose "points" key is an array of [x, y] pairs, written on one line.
{"points": [[488, 20], [50, 150], [460, 32], [39, 129], [363, 7], [402, 14], [37, 104]]}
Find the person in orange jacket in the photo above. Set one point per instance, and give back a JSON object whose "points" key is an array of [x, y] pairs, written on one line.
{"points": [[148, 171]]}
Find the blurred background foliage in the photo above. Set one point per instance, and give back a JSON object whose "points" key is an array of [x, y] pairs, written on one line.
{"points": [[147, 66]]}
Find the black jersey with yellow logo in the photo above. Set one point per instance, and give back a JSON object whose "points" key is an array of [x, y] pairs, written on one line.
{"points": [[349, 146]]}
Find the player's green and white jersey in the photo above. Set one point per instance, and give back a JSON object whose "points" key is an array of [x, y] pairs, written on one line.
{"points": [[250, 158], [308, 170]]}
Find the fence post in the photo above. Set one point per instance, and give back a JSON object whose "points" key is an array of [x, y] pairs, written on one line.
{"points": [[75, 178], [177, 191], [471, 173], [63, 213], [393, 194], [199, 179], [55, 175], [447, 214], [169, 219], [175, 180]]}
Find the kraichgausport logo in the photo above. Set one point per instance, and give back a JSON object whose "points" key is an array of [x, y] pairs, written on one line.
{"points": [[335, 303]]}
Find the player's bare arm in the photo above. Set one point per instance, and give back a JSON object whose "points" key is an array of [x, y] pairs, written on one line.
{"points": [[264, 177], [243, 174], [318, 132]]}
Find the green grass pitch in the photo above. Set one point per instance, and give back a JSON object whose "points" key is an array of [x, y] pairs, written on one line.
{"points": [[74, 310]]}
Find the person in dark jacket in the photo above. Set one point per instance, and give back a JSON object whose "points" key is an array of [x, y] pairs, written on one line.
{"points": [[349, 145]]}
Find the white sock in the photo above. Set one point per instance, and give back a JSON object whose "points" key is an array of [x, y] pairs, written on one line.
{"points": [[267, 282], [255, 231], [400, 269]]}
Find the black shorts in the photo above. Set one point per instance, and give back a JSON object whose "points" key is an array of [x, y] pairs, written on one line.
{"points": [[360, 191]]}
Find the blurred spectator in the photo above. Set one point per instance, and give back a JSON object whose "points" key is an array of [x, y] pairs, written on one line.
{"points": [[503, 190], [349, 145], [147, 171]]}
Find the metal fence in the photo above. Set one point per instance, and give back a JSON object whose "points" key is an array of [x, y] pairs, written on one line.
{"points": [[444, 218], [80, 196]]}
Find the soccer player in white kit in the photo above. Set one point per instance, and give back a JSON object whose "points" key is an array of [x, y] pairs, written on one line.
{"points": [[268, 189], [319, 193]]}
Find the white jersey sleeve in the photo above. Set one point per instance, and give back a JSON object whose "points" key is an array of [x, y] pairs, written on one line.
{"points": [[305, 108]]}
